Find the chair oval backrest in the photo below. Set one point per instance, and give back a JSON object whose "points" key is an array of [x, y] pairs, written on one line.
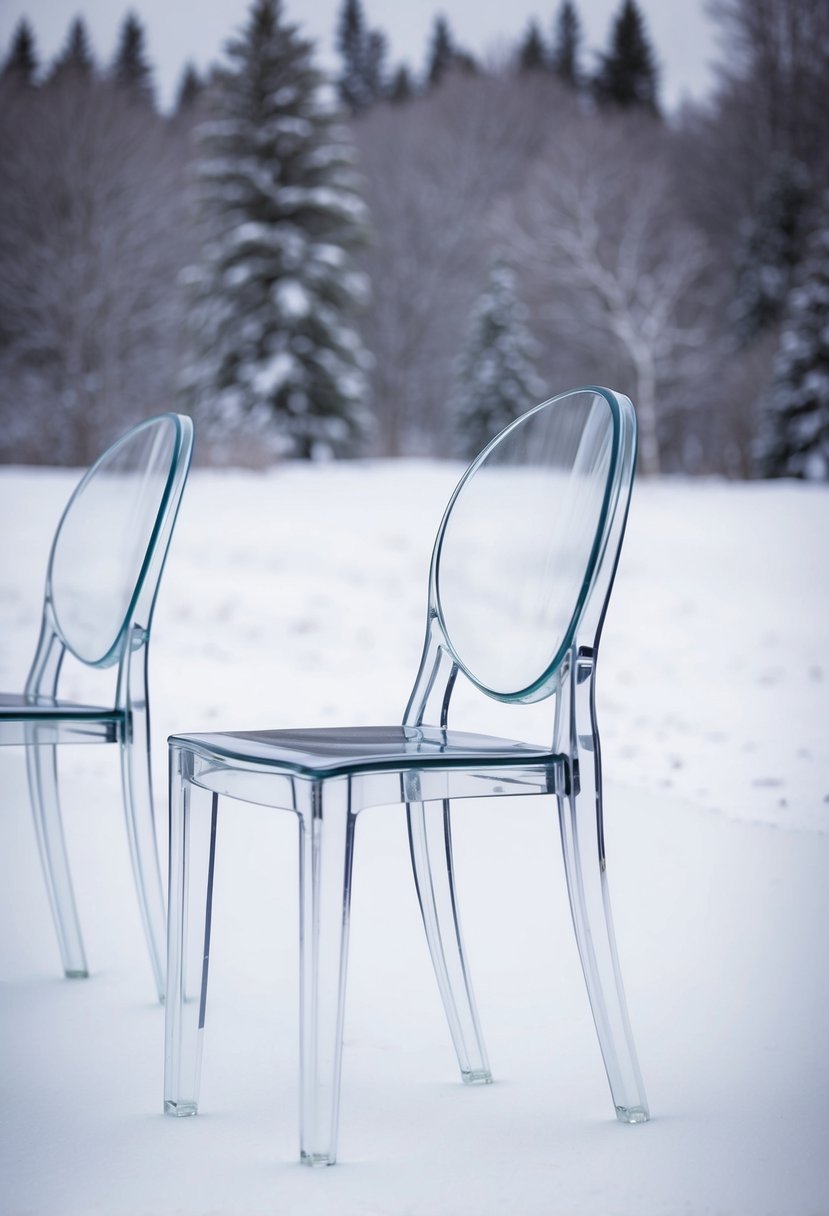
{"points": [[525, 535], [115, 527]]}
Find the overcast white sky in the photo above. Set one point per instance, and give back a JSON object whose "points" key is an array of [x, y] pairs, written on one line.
{"points": [[684, 37]]}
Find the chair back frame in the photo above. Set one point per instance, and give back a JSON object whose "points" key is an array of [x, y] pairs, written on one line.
{"points": [[134, 630], [441, 662]]}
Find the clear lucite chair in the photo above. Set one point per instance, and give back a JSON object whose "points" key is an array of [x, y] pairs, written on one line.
{"points": [[101, 584], [521, 574]]}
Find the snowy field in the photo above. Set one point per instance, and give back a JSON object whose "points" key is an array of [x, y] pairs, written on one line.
{"points": [[297, 598]]}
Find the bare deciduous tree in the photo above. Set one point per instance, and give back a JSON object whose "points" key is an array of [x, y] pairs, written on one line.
{"points": [[90, 244], [434, 171], [778, 56], [611, 261]]}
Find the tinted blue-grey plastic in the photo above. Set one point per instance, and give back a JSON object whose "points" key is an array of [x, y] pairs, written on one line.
{"points": [[520, 578], [102, 580]]}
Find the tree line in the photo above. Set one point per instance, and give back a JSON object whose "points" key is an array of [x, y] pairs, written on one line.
{"points": [[397, 262]]}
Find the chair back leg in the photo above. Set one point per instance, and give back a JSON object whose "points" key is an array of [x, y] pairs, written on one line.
{"points": [[136, 780], [42, 771], [430, 843], [582, 838]]}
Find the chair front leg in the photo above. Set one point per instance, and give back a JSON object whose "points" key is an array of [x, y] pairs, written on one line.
{"points": [[430, 842], [42, 771], [193, 821], [582, 838], [326, 843], [136, 779]]}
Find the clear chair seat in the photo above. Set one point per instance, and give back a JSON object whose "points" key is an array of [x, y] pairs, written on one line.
{"points": [[339, 751], [56, 721], [27, 705]]}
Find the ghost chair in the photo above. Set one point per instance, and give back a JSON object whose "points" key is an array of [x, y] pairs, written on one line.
{"points": [[101, 584], [521, 573]]}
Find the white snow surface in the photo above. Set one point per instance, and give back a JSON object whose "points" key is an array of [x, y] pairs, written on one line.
{"points": [[297, 597]]}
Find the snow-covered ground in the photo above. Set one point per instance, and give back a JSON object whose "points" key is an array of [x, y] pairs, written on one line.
{"points": [[297, 598]]}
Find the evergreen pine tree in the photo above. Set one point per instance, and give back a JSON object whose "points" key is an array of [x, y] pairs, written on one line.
{"points": [[771, 248], [276, 290], [190, 89], [350, 35], [567, 44], [465, 62], [362, 80], [532, 54], [131, 68], [76, 59], [441, 53], [401, 88], [627, 74], [20, 67], [495, 380], [793, 438], [375, 64]]}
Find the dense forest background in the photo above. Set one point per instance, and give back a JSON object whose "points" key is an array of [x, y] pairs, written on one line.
{"points": [[398, 260]]}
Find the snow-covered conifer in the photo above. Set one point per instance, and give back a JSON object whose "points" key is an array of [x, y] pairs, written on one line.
{"points": [[793, 437], [362, 80], [495, 380], [375, 70], [771, 247], [279, 364]]}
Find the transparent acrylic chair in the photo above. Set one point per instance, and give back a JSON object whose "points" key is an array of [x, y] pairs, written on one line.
{"points": [[521, 574], [101, 583]]}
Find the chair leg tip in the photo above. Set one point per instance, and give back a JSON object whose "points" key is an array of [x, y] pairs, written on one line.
{"points": [[477, 1076], [180, 1110], [632, 1114], [77, 974], [316, 1160]]}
